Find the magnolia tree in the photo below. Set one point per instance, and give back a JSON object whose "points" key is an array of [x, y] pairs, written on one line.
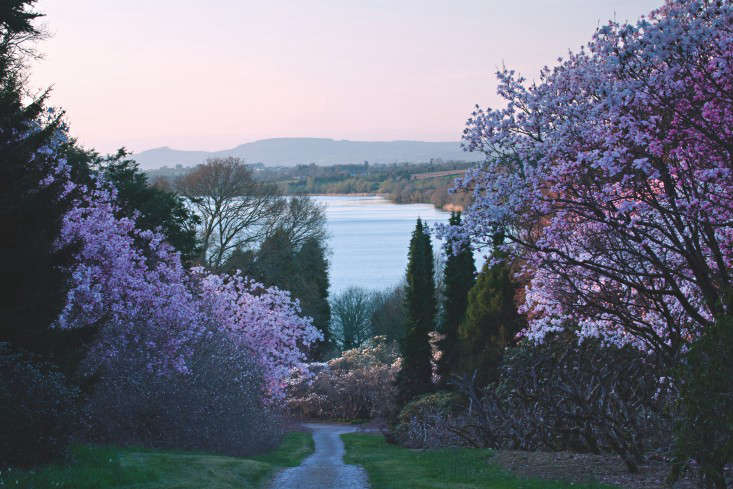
{"points": [[131, 285], [611, 180]]}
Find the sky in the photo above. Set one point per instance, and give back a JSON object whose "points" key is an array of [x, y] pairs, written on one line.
{"points": [[210, 75]]}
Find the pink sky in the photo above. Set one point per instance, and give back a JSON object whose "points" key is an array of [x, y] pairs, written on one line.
{"points": [[212, 75]]}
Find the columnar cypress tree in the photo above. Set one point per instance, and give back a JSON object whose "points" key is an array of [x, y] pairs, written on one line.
{"points": [[459, 277], [415, 378]]}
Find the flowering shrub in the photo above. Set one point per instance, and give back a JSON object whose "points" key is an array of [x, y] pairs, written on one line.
{"points": [[612, 178], [357, 385], [217, 407], [131, 285]]}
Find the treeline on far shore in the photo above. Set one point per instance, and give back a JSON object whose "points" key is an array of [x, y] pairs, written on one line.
{"points": [[402, 183]]}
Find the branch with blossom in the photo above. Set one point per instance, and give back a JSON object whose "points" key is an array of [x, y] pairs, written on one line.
{"points": [[611, 179]]}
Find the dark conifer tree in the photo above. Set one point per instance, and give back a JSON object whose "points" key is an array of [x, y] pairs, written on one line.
{"points": [[459, 276], [275, 261], [312, 291], [491, 321], [32, 276], [415, 377]]}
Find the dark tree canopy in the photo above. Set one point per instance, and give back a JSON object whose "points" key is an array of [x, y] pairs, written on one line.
{"points": [[415, 378]]}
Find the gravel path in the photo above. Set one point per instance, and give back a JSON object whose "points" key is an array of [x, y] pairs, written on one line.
{"points": [[325, 469]]}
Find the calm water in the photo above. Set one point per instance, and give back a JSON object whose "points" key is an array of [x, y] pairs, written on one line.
{"points": [[369, 237]]}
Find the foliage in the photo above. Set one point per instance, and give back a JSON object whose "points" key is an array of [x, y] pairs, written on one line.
{"points": [[393, 467], [92, 467], [490, 324], [38, 407], [458, 277], [357, 385], [705, 429], [612, 177], [351, 317], [561, 395], [415, 377]]}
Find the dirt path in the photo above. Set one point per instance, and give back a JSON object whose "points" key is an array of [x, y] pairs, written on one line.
{"points": [[325, 469]]}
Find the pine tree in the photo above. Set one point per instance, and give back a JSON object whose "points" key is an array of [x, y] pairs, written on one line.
{"points": [[459, 276], [491, 321], [415, 377]]}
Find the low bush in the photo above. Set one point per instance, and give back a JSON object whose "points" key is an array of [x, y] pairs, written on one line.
{"points": [[38, 409], [357, 385], [426, 422], [217, 407], [561, 395]]}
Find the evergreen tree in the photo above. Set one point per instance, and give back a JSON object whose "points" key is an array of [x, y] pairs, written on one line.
{"points": [[312, 291], [459, 276], [275, 261], [415, 377], [32, 277], [491, 321]]}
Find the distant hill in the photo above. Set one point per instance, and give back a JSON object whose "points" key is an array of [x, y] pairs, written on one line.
{"points": [[294, 151]]}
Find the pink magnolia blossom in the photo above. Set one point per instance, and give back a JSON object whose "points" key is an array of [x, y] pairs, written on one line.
{"points": [[131, 285], [612, 180]]}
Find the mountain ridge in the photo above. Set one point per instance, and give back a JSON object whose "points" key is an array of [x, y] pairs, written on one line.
{"points": [[289, 151]]}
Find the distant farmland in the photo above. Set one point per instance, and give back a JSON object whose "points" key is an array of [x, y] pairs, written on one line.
{"points": [[436, 174]]}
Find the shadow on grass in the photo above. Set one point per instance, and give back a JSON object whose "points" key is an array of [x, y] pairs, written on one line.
{"points": [[94, 467]]}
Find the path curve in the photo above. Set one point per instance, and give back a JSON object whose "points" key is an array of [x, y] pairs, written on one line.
{"points": [[325, 469]]}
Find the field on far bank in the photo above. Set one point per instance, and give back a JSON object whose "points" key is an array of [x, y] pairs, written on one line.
{"points": [[393, 467], [93, 467]]}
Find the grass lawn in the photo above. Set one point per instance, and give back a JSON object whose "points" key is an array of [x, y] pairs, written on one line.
{"points": [[393, 467], [96, 467]]}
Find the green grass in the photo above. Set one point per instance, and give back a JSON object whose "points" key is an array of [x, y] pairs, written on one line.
{"points": [[94, 467], [393, 467]]}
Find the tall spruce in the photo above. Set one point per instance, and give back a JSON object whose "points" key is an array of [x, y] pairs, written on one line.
{"points": [[415, 377], [459, 275]]}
